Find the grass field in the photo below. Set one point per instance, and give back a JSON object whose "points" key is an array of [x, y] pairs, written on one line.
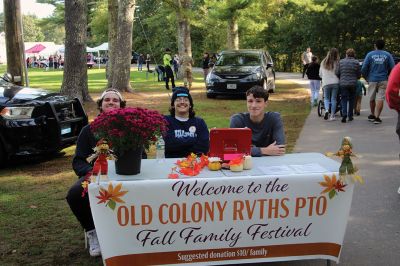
{"points": [[36, 224]]}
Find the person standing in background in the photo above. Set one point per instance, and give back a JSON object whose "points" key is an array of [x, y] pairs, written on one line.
{"points": [[306, 59], [206, 64], [175, 63], [393, 97], [360, 89], [348, 73], [376, 69], [330, 82], [148, 62], [315, 80], [140, 62], [169, 74]]}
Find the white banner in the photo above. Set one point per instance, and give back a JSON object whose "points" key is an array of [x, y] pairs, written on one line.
{"points": [[221, 220]]}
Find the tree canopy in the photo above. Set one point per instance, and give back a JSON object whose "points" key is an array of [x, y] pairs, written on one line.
{"points": [[284, 27]]}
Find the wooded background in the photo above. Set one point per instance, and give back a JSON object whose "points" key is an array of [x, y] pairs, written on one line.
{"points": [[283, 27]]}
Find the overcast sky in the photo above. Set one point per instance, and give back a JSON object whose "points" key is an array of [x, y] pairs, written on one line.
{"points": [[33, 8]]}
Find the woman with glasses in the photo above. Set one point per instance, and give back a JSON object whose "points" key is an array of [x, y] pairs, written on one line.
{"points": [[186, 133]]}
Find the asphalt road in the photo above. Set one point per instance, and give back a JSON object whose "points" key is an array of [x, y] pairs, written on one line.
{"points": [[373, 230]]}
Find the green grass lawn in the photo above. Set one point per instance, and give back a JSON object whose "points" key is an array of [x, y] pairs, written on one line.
{"points": [[36, 224]]}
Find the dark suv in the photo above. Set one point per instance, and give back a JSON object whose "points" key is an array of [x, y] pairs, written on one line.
{"points": [[36, 121], [236, 71]]}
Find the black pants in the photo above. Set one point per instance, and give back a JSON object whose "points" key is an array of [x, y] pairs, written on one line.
{"points": [[348, 95], [305, 69], [169, 75], [398, 124], [80, 205]]}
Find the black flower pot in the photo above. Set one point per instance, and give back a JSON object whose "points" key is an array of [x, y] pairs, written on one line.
{"points": [[129, 162]]}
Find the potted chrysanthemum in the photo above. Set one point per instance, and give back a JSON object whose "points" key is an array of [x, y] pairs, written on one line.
{"points": [[129, 130]]}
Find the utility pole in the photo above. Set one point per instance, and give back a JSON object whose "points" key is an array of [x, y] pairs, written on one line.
{"points": [[14, 40]]}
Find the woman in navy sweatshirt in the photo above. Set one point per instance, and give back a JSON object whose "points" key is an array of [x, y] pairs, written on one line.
{"points": [[186, 133]]}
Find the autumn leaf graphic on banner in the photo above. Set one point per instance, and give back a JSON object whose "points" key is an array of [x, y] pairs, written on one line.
{"points": [[332, 186], [111, 196]]}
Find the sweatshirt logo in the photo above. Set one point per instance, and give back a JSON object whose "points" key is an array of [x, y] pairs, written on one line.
{"points": [[179, 133], [379, 58]]}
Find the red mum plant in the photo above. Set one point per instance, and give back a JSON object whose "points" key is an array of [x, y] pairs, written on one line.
{"points": [[129, 128]]}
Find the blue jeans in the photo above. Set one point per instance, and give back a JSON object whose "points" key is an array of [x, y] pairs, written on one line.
{"points": [[348, 97], [330, 97], [314, 87]]}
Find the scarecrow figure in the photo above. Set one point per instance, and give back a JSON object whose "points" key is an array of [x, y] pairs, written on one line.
{"points": [[102, 153], [347, 168]]}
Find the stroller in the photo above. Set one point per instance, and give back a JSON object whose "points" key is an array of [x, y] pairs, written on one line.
{"points": [[321, 107]]}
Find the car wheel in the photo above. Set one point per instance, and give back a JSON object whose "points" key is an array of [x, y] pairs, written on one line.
{"points": [[320, 108], [272, 88], [265, 85], [211, 96], [3, 156]]}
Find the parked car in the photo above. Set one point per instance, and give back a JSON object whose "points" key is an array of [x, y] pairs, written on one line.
{"points": [[236, 71], [36, 121]]}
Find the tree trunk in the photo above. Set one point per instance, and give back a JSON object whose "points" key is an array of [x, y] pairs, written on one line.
{"points": [[112, 38], [75, 80], [184, 39], [14, 41], [233, 34], [123, 48]]}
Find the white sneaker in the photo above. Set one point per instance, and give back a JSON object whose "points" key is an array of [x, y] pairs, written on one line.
{"points": [[333, 118], [398, 191], [94, 246]]}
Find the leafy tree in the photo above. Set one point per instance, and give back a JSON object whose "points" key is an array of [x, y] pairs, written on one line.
{"points": [[32, 32], [229, 11]]}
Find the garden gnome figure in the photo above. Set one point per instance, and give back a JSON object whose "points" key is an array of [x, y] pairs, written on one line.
{"points": [[102, 153]]}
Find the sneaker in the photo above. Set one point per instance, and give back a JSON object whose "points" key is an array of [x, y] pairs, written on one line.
{"points": [[326, 115], [377, 120], [343, 119], [398, 190], [351, 119], [333, 118], [94, 246], [371, 118]]}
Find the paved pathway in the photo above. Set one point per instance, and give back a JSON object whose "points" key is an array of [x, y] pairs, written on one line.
{"points": [[373, 229]]}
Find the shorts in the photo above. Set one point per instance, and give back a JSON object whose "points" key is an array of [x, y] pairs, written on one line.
{"points": [[376, 90]]}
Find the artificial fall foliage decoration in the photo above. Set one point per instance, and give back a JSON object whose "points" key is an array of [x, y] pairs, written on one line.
{"points": [[111, 195], [332, 186], [190, 166]]}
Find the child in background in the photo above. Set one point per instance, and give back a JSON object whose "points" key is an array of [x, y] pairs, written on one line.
{"points": [[315, 80], [360, 89]]}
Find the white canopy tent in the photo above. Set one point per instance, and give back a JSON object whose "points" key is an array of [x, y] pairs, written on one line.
{"points": [[102, 47], [88, 50]]}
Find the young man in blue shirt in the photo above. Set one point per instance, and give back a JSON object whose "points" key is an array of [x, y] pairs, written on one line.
{"points": [[376, 69], [268, 135]]}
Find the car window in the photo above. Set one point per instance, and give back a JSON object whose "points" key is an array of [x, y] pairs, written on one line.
{"points": [[239, 60]]}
